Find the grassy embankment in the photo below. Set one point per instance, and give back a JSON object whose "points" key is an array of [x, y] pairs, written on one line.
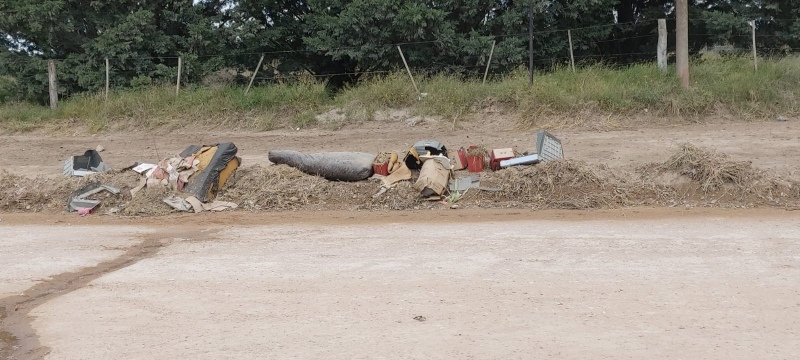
{"points": [[719, 86]]}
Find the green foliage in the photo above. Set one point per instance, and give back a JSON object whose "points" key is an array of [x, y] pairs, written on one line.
{"points": [[8, 89], [140, 38], [345, 41], [722, 83]]}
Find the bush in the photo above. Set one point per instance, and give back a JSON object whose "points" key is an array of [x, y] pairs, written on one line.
{"points": [[8, 89], [727, 83]]}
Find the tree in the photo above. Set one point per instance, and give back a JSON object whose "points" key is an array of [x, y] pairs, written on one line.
{"points": [[142, 38]]}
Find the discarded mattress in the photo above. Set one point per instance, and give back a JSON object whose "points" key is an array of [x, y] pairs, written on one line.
{"points": [[337, 166], [216, 165]]}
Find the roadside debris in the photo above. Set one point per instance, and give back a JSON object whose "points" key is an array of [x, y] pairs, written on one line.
{"points": [[460, 159], [423, 147], [80, 199], [548, 147], [384, 163], [191, 180], [200, 170], [192, 203], [522, 160], [216, 164], [472, 181], [337, 166], [465, 183], [476, 158], [433, 177], [82, 165], [499, 155]]}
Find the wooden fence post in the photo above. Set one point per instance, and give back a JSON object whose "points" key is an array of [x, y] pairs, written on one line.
{"points": [[491, 52], [661, 50], [530, 42], [571, 54], [254, 75], [409, 72], [53, 82], [178, 84], [682, 42], [755, 54], [107, 78]]}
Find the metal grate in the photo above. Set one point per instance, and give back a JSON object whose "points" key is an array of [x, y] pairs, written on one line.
{"points": [[548, 146]]}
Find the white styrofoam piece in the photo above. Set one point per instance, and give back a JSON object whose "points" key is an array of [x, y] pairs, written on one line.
{"points": [[522, 160]]}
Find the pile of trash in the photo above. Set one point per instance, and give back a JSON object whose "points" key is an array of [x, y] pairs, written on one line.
{"points": [[191, 180], [426, 175]]}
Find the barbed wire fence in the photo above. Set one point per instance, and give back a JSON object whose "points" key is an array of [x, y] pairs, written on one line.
{"points": [[482, 69]]}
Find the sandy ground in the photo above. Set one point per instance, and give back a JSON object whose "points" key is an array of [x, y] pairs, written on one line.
{"points": [[618, 284], [771, 145], [33, 253], [482, 284]]}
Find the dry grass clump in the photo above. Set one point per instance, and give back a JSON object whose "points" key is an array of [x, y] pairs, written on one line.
{"points": [[711, 170], [22, 194], [573, 184], [281, 187], [716, 180], [795, 189], [277, 187], [147, 202], [564, 184]]}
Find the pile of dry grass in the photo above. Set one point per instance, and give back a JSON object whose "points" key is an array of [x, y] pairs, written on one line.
{"points": [[278, 187], [563, 184], [711, 170], [22, 194], [281, 187], [148, 202], [715, 179]]}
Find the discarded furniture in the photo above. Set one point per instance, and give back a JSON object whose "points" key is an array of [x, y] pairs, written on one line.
{"points": [[216, 165]]}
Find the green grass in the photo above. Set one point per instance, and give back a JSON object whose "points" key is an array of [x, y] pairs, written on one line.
{"points": [[718, 84]]}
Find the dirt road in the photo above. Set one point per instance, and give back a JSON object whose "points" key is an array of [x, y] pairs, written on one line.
{"points": [[634, 283], [770, 145]]}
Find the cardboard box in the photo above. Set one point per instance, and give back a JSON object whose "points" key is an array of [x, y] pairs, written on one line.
{"points": [[500, 155], [503, 154], [459, 160]]}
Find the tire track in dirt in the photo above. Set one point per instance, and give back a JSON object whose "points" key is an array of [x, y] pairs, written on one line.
{"points": [[18, 338]]}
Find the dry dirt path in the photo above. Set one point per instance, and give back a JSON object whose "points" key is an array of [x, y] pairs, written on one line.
{"points": [[634, 283], [772, 145]]}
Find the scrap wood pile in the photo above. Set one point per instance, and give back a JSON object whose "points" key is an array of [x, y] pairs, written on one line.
{"points": [[424, 176]]}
